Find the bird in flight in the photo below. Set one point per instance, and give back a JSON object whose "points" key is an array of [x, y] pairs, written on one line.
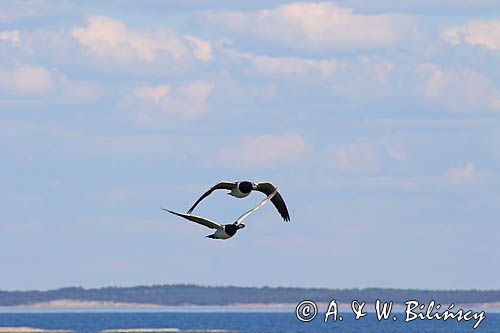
{"points": [[223, 231], [243, 188]]}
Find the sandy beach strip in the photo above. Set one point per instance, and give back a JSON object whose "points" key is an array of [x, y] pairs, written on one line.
{"points": [[26, 329], [77, 304], [166, 330]]}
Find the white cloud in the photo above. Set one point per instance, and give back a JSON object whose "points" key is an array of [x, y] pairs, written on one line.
{"points": [[78, 91], [202, 48], [234, 92], [398, 154], [317, 26], [36, 81], [19, 129], [357, 157], [433, 123], [457, 89], [460, 175], [288, 67], [483, 33], [154, 94], [373, 181], [142, 146], [156, 103], [10, 36], [14, 10], [265, 151], [23, 199], [197, 92], [420, 7], [26, 79], [106, 38], [359, 78], [366, 77], [380, 69]]}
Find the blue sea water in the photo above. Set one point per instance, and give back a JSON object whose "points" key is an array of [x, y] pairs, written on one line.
{"points": [[244, 322]]}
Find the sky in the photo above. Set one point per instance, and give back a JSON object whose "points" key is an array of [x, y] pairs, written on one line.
{"points": [[378, 121]]}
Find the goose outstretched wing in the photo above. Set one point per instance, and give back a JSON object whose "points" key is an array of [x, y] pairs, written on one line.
{"points": [[198, 219], [223, 185], [262, 203], [278, 202]]}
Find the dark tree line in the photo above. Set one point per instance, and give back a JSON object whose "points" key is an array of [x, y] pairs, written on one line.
{"points": [[198, 295]]}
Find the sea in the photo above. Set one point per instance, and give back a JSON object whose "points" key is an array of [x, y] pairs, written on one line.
{"points": [[241, 320]]}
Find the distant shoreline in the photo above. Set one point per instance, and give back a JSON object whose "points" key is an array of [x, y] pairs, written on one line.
{"points": [[203, 298]]}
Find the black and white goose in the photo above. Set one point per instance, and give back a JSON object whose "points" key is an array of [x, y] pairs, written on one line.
{"points": [[243, 189], [223, 231]]}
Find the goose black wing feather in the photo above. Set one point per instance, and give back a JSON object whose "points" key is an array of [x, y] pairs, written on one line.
{"points": [[219, 186], [277, 199], [197, 219]]}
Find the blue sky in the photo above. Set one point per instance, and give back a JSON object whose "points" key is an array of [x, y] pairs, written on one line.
{"points": [[379, 122]]}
